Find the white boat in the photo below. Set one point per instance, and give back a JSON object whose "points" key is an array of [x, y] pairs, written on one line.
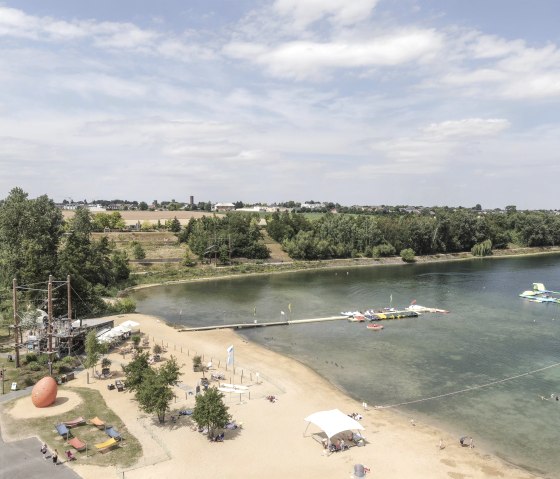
{"points": [[539, 294], [424, 309]]}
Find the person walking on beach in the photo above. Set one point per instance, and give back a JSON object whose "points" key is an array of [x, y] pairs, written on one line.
{"points": [[55, 457], [44, 450]]}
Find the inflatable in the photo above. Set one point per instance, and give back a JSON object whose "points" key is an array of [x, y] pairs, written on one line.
{"points": [[44, 392]]}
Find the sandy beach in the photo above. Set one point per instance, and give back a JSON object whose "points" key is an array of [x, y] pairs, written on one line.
{"points": [[274, 440]]}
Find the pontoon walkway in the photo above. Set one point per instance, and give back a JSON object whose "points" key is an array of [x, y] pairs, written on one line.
{"points": [[262, 325]]}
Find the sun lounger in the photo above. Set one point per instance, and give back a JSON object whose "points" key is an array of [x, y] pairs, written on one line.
{"points": [[74, 422], [111, 432], [97, 422], [107, 445], [62, 430], [77, 444]]}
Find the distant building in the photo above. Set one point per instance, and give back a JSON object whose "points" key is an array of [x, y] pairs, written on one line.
{"points": [[224, 207]]}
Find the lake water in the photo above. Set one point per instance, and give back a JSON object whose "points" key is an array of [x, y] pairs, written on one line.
{"points": [[490, 334]]}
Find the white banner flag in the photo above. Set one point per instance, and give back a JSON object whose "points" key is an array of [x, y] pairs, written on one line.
{"points": [[230, 355]]}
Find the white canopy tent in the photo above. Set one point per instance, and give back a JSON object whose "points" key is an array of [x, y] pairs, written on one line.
{"points": [[131, 325], [333, 422]]}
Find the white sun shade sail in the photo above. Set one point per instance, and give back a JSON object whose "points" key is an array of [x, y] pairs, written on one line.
{"points": [[334, 421]]}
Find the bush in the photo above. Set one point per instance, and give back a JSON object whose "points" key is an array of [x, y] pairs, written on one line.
{"points": [[34, 366], [383, 250], [30, 358], [123, 306], [197, 363], [137, 250], [407, 255], [482, 249], [157, 349]]}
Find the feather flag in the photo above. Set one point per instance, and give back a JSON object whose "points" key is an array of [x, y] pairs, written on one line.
{"points": [[290, 307], [230, 355]]}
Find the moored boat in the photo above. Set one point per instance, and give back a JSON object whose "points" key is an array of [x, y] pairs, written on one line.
{"points": [[424, 309], [378, 316]]}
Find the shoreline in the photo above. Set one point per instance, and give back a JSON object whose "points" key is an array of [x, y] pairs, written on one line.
{"points": [[273, 438], [359, 263]]}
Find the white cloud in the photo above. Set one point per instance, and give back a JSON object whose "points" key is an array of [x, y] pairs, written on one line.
{"points": [[469, 127], [339, 12], [304, 59]]}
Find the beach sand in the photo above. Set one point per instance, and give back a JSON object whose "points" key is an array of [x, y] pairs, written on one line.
{"points": [[273, 441]]}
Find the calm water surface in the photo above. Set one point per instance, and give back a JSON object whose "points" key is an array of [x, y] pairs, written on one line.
{"points": [[490, 334]]}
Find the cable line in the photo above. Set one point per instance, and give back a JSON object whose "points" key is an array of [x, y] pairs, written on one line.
{"points": [[472, 388]]}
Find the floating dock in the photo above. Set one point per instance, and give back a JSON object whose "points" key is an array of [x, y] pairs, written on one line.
{"points": [[391, 315], [256, 324]]}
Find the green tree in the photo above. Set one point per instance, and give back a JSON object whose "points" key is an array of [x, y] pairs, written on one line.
{"points": [[174, 225], [93, 350], [407, 255], [210, 412], [136, 370], [30, 233], [153, 387], [138, 251], [143, 206]]}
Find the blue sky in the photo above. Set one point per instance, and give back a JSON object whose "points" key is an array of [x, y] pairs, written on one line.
{"points": [[432, 102]]}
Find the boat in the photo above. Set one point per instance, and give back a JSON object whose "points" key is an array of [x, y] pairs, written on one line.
{"points": [[375, 326], [396, 314], [357, 317], [424, 309], [539, 294]]}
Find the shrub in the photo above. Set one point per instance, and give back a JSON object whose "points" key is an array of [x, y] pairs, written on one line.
{"points": [[197, 363], [407, 255], [157, 349], [136, 340], [30, 357], [123, 306], [34, 366], [137, 250], [482, 249], [383, 250]]}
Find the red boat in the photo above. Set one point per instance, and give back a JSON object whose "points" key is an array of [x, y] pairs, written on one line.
{"points": [[375, 326]]}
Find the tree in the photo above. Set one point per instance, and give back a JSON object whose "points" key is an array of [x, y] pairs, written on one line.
{"points": [[210, 412], [93, 350], [138, 251], [30, 233], [174, 225], [152, 386], [136, 370], [143, 206], [407, 255]]}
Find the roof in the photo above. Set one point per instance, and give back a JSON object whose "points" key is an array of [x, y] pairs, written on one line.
{"points": [[332, 422]]}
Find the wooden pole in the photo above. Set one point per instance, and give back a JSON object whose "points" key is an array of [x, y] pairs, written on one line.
{"points": [[16, 321], [68, 291], [50, 329]]}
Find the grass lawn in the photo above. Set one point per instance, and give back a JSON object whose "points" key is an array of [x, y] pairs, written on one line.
{"points": [[127, 454]]}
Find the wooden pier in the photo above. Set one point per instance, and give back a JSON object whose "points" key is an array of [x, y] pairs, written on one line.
{"points": [[256, 324]]}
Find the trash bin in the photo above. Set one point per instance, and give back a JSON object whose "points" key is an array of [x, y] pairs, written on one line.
{"points": [[359, 470]]}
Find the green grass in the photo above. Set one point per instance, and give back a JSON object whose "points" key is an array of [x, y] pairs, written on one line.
{"points": [[92, 405]]}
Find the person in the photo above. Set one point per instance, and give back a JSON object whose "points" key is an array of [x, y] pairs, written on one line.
{"points": [[69, 455], [55, 457], [44, 450]]}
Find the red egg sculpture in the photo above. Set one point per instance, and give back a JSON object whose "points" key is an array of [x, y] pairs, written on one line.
{"points": [[44, 392]]}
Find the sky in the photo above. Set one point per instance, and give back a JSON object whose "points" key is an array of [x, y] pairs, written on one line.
{"points": [[360, 102]]}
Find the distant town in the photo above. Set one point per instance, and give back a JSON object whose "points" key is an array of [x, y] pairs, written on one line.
{"points": [[303, 207]]}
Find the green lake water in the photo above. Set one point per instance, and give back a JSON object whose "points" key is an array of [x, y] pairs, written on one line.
{"points": [[490, 334]]}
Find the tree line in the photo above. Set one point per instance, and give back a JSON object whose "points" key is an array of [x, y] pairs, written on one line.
{"points": [[442, 230], [36, 242]]}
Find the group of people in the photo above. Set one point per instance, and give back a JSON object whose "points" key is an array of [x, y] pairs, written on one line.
{"points": [[54, 456], [356, 416], [272, 398], [467, 441]]}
